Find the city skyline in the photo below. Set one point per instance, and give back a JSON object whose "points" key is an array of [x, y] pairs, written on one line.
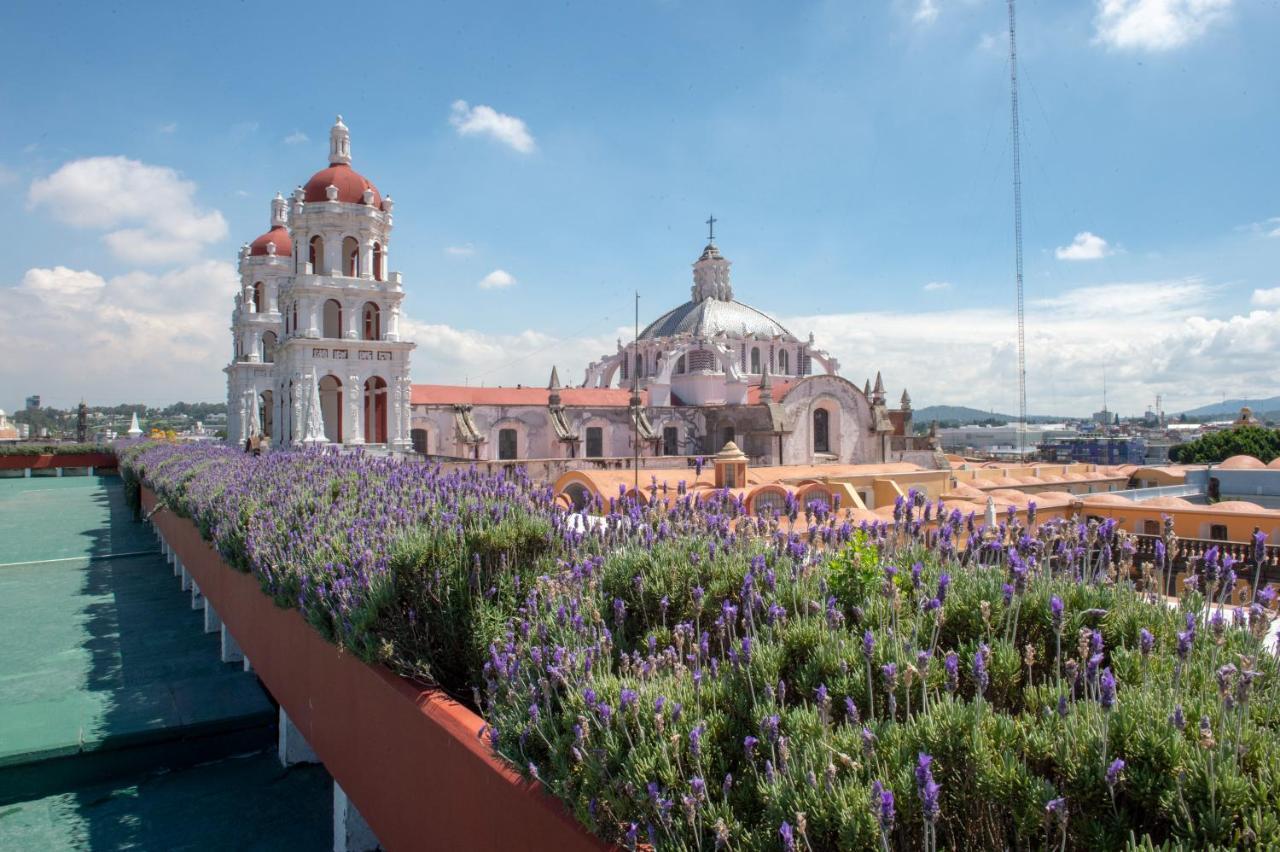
{"points": [[857, 166]]}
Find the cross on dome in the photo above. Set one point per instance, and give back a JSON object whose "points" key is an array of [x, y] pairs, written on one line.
{"points": [[711, 228]]}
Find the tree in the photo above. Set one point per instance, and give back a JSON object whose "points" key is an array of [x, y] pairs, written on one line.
{"points": [[1262, 444]]}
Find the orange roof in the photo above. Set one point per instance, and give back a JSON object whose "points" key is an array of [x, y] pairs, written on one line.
{"points": [[464, 395], [780, 390], [1241, 463]]}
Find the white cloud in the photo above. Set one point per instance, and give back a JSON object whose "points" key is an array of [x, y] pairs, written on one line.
{"points": [[448, 355], [498, 279], [1179, 348], [464, 250], [486, 121], [297, 137], [1266, 298], [1086, 246], [157, 205], [171, 127], [1267, 227], [80, 334], [926, 12], [1151, 337], [937, 286], [1155, 25]]}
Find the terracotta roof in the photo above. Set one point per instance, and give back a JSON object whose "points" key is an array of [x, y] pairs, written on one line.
{"points": [[780, 389], [278, 235], [463, 395], [350, 183], [1241, 463]]}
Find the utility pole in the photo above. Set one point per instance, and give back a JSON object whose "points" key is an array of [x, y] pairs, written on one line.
{"points": [[1017, 229], [635, 401]]}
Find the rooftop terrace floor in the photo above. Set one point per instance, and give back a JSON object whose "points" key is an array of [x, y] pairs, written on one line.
{"points": [[108, 678]]}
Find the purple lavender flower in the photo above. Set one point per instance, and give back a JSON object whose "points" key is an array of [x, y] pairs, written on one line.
{"points": [[868, 643], [882, 800], [927, 788], [944, 583], [749, 744], [1146, 641], [1107, 689], [788, 836], [1178, 720], [1055, 611], [850, 711], [951, 664], [980, 675], [1113, 773]]}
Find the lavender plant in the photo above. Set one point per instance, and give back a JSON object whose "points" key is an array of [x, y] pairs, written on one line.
{"points": [[684, 675]]}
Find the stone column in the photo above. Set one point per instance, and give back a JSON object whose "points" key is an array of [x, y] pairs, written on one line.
{"points": [[355, 391], [333, 252]]}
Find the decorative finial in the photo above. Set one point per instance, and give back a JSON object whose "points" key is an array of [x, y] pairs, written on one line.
{"points": [[339, 144]]}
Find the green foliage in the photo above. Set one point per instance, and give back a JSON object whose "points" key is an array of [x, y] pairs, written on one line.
{"points": [[1262, 444], [854, 572], [52, 449]]}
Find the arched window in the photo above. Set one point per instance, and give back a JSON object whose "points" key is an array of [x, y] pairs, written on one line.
{"points": [[755, 359], [332, 318], [639, 366], [377, 261], [259, 298], [350, 257], [266, 410], [624, 369], [784, 363], [375, 410], [680, 365], [821, 430], [371, 321], [317, 255], [507, 444], [595, 442], [268, 353], [419, 438]]}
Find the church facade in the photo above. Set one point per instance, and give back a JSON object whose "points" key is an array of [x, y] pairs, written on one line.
{"points": [[317, 358], [317, 355], [709, 371]]}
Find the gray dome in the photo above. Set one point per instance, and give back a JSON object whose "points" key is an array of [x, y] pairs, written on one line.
{"points": [[712, 316]]}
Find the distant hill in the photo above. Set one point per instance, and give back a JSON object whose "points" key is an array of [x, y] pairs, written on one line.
{"points": [[1232, 407], [965, 415]]}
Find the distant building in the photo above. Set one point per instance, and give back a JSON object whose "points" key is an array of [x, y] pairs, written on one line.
{"points": [[1095, 449], [33, 402], [8, 429]]}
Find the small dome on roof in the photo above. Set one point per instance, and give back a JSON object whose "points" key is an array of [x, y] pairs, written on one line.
{"points": [[277, 236], [350, 183], [1241, 463]]}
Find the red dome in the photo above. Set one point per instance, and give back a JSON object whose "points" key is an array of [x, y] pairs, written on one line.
{"points": [[278, 235], [350, 183]]}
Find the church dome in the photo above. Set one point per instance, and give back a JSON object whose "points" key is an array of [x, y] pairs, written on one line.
{"points": [[350, 183], [277, 236], [710, 317]]}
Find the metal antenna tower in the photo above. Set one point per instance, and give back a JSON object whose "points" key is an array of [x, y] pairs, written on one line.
{"points": [[1017, 230]]}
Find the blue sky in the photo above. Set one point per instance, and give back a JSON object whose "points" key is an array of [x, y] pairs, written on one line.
{"points": [[856, 156]]}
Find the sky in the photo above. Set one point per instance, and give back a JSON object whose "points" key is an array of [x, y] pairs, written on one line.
{"points": [[548, 161]]}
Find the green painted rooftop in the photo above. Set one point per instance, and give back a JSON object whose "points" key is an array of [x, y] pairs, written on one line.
{"points": [[108, 678]]}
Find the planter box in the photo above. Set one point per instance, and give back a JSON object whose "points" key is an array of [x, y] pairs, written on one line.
{"points": [[50, 460], [411, 759]]}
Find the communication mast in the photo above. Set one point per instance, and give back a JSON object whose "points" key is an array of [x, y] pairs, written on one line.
{"points": [[1017, 230]]}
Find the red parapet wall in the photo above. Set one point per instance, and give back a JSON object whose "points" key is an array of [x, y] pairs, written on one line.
{"points": [[412, 760], [50, 460]]}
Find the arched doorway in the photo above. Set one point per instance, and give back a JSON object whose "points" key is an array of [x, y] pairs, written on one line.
{"points": [[331, 408], [375, 410], [266, 412]]}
